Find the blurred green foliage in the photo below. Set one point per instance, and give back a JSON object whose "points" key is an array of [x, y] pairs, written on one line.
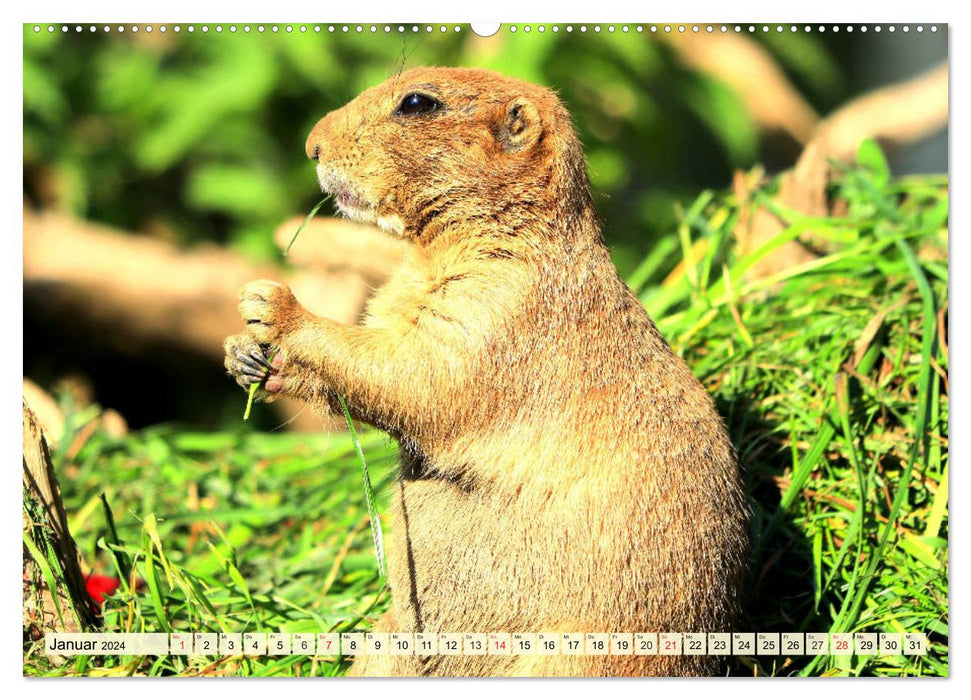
{"points": [[199, 136]]}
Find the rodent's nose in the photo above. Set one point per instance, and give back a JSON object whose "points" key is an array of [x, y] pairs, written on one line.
{"points": [[314, 141]]}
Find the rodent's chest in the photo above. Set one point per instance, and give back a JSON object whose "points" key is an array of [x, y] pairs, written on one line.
{"points": [[398, 302], [452, 302], [402, 296]]}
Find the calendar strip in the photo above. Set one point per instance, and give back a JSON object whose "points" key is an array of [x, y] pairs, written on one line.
{"points": [[333, 644]]}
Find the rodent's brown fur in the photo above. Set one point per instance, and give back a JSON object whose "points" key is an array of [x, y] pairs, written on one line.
{"points": [[562, 469]]}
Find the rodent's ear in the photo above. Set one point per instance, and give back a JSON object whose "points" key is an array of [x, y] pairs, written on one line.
{"points": [[520, 125]]}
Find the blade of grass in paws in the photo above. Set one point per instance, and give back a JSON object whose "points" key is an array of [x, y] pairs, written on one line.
{"points": [[368, 491], [253, 388], [312, 214]]}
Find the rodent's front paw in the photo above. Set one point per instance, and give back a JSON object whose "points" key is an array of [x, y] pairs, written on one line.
{"points": [[249, 362], [269, 309]]}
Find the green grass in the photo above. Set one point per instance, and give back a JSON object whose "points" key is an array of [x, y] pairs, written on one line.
{"points": [[227, 532], [833, 380]]}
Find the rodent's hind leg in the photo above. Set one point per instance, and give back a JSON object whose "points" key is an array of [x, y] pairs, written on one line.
{"points": [[614, 666], [553, 667], [384, 666]]}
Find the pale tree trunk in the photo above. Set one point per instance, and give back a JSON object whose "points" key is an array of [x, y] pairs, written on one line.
{"points": [[55, 597]]}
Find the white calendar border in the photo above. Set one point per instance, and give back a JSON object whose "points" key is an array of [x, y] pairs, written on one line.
{"points": [[509, 11], [441, 10]]}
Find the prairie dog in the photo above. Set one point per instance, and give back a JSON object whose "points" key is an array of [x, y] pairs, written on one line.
{"points": [[562, 470]]}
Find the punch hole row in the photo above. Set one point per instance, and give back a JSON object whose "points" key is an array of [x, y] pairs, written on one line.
{"points": [[723, 28], [256, 28], [428, 28]]}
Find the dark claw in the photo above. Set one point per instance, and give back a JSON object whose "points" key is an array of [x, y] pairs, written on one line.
{"points": [[261, 358], [252, 361], [249, 363], [253, 376]]}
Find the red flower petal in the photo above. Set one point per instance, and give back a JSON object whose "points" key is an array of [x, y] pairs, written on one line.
{"points": [[100, 586]]}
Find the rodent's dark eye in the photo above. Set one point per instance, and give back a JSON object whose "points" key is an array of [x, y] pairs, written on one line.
{"points": [[415, 104]]}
